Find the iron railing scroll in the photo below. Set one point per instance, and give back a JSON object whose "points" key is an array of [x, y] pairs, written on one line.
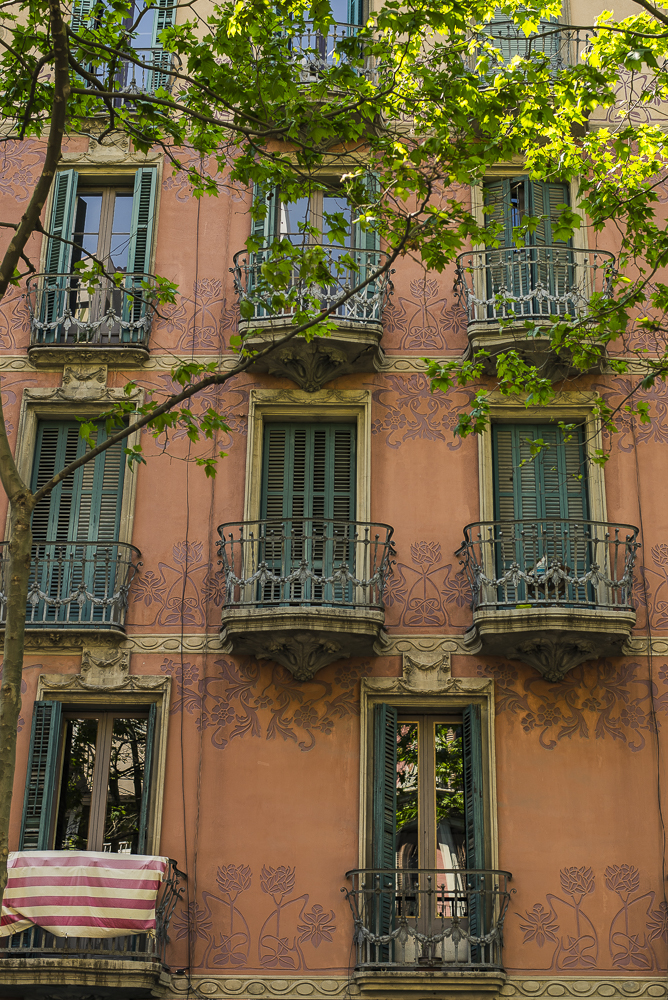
{"points": [[305, 562], [428, 918], [365, 305], [75, 584], [150, 947], [552, 562], [531, 283], [64, 312]]}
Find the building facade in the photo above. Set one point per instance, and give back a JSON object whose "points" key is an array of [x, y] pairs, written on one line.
{"points": [[392, 701]]}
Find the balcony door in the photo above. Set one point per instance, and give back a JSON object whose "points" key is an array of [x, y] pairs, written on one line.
{"points": [[308, 512], [75, 566], [538, 277], [116, 225], [540, 506]]}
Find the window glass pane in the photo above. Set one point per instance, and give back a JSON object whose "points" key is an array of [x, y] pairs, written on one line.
{"points": [[449, 796], [517, 206], [142, 36], [86, 225], [120, 231], [407, 795], [126, 779], [77, 785], [292, 213]]}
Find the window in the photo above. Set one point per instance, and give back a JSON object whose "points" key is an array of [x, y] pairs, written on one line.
{"points": [[88, 779], [116, 224], [145, 40], [511, 41], [541, 509], [308, 508], [428, 799], [80, 571], [286, 219], [537, 278]]}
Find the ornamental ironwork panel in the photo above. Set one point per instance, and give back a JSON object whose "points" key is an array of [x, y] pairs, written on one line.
{"points": [[531, 283], [75, 583], [347, 268], [305, 562], [552, 562], [64, 312], [422, 918]]}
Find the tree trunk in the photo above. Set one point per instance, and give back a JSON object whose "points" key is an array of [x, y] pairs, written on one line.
{"points": [[16, 578]]}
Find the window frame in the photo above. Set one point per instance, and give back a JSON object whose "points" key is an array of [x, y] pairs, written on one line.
{"points": [[567, 406], [297, 406], [439, 705], [138, 695]]}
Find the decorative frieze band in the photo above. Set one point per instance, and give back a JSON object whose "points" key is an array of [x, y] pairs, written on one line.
{"points": [[296, 987]]}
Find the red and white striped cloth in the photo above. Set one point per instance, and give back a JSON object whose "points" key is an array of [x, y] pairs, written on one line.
{"points": [[81, 893]]}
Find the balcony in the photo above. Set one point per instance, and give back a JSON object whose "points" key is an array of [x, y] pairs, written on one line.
{"points": [[502, 290], [355, 344], [563, 46], [551, 593], [106, 324], [428, 931], [35, 963], [76, 585], [304, 592], [317, 51]]}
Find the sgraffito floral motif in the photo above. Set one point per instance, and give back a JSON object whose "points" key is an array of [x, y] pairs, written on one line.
{"points": [[428, 321], [176, 593], [221, 931], [201, 321], [243, 700], [596, 699], [569, 931], [422, 591], [19, 167], [410, 410], [564, 922]]}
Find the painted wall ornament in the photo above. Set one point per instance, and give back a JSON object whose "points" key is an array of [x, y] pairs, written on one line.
{"points": [[428, 320], [225, 931], [423, 591], [248, 700], [409, 410], [600, 699], [572, 938]]}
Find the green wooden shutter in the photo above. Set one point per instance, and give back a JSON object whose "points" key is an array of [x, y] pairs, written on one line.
{"points": [[141, 226], [265, 229], [81, 11], [554, 267], [474, 819], [146, 784], [59, 254], [165, 14], [355, 11], [551, 485], [85, 506], [384, 786], [41, 776], [309, 471]]}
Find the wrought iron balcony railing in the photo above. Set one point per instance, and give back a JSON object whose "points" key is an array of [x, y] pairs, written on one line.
{"points": [[75, 584], [64, 313], [563, 46], [305, 562], [531, 283], [38, 943], [365, 305], [150, 72], [317, 51], [550, 563], [428, 918]]}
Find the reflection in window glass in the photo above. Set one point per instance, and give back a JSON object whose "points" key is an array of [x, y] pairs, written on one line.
{"points": [[292, 214], [120, 232], [77, 785], [86, 225], [407, 795], [126, 778], [449, 796]]}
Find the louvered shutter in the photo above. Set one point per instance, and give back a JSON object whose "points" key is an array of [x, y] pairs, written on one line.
{"points": [[81, 14], [139, 250], [146, 783], [59, 254], [41, 776], [309, 485], [474, 818], [511, 41], [554, 268], [499, 262], [265, 229], [355, 12], [84, 508], [384, 818]]}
